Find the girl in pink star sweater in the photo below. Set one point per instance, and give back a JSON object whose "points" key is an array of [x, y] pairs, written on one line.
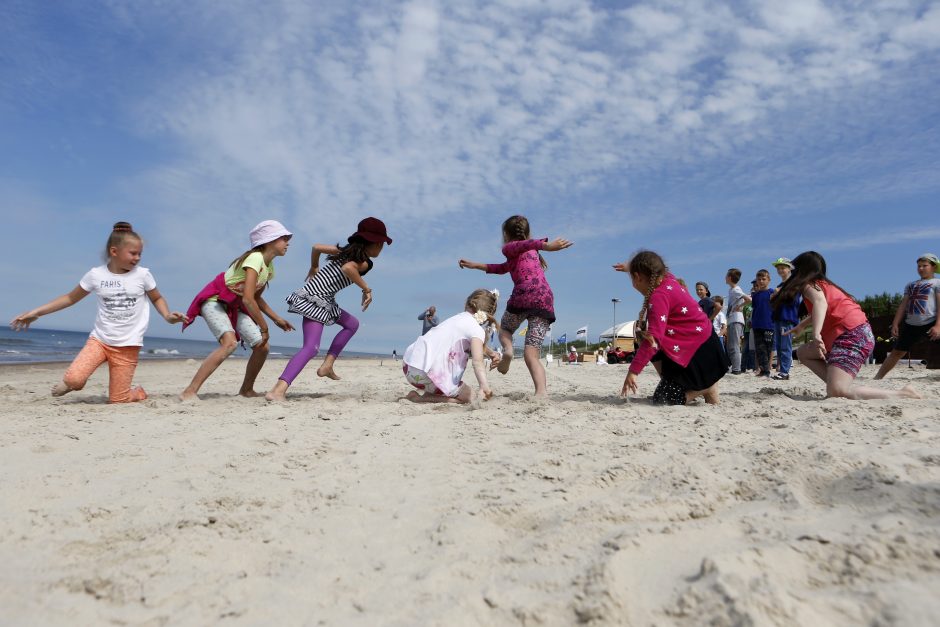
{"points": [[675, 332]]}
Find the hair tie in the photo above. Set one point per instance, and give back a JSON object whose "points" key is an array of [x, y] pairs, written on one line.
{"points": [[120, 227], [480, 317]]}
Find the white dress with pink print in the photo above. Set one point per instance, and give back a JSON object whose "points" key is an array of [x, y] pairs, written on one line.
{"points": [[441, 355]]}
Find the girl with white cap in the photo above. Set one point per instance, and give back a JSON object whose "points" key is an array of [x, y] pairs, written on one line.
{"points": [[232, 306]]}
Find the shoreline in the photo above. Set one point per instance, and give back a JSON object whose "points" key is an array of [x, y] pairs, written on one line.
{"points": [[47, 366]]}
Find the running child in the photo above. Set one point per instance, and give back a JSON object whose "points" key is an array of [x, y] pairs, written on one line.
{"points": [[234, 309], [916, 318], [436, 361], [316, 300], [674, 331], [531, 299], [120, 285], [842, 337]]}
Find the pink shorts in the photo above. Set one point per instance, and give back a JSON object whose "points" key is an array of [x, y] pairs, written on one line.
{"points": [[420, 379], [850, 350]]}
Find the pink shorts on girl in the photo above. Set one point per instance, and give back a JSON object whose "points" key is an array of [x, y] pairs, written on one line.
{"points": [[420, 379], [850, 350]]}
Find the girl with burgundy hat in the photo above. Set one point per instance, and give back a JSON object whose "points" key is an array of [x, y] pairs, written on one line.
{"points": [[316, 300], [232, 306]]}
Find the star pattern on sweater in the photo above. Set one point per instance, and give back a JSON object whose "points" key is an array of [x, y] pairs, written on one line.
{"points": [[699, 329], [684, 310], [668, 287], [662, 318], [675, 348], [671, 331]]}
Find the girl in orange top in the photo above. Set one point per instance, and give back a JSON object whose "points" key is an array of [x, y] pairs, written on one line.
{"points": [[842, 337]]}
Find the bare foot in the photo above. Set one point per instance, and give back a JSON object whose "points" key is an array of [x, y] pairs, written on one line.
{"points": [[278, 393], [138, 394], [413, 396], [503, 366], [249, 393], [909, 392], [60, 389], [187, 396], [327, 371]]}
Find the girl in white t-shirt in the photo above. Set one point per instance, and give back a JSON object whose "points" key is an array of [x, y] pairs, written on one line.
{"points": [[435, 363], [122, 319]]}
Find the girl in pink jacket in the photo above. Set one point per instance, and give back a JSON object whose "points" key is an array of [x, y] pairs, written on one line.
{"points": [[676, 333]]}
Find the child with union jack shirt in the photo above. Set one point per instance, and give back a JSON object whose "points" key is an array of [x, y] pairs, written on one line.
{"points": [[916, 317]]}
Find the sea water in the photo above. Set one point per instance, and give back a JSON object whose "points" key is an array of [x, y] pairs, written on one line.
{"points": [[38, 345]]}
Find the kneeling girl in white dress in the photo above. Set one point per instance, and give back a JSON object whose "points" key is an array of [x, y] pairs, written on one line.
{"points": [[435, 362]]}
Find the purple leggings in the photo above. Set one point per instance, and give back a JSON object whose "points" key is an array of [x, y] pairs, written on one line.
{"points": [[313, 331]]}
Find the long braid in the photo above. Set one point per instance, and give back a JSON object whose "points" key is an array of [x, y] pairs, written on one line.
{"points": [[643, 318], [649, 264]]}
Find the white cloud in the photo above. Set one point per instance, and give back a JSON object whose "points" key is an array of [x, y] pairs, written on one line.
{"points": [[442, 118]]}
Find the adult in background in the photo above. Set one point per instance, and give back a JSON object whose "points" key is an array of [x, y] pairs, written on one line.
{"points": [[429, 319]]}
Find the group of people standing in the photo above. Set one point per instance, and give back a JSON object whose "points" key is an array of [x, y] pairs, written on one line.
{"points": [[692, 344], [749, 326], [756, 326]]}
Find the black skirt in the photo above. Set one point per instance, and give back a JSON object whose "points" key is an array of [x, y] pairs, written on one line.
{"points": [[707, 366]]}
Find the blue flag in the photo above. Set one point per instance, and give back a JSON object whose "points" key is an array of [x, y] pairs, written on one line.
{"points": [[563, 338]]}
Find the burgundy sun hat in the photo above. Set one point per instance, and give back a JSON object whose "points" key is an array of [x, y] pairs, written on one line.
{"points": [[372, 230]]}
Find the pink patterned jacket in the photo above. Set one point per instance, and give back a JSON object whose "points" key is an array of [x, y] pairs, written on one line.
{"points": [[531, 295], [676, 322]]}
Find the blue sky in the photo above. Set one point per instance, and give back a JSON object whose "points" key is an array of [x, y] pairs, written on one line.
{"points": [[717, 133]]}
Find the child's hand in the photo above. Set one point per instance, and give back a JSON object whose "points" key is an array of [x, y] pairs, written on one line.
{"points": [[895, 329], [558, 244], [623, 266], [313, 271], [934, 332], [495, 358], [22, 321], [487, 394], [820, 345], [284, 325], [797, 329], [366, 299], [629, 385], [470, 265], [174, 316]]}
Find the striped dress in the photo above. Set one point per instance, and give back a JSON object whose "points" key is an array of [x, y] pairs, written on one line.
{"points": [[317, 298]]}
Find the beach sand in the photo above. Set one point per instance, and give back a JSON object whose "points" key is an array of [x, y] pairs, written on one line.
{"points": [[348, 506]]}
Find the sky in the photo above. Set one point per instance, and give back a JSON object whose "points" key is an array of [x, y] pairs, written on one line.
{"points": [[719, 134]]}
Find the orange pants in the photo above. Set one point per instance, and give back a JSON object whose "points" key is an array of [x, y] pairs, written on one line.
{"points": [[122, 362]]}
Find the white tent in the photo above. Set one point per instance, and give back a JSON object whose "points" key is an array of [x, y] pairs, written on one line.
{"points": [[624, 329]]}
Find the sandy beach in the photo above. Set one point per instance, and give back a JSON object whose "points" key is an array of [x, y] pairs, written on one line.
{"points": [[348, 506]]}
